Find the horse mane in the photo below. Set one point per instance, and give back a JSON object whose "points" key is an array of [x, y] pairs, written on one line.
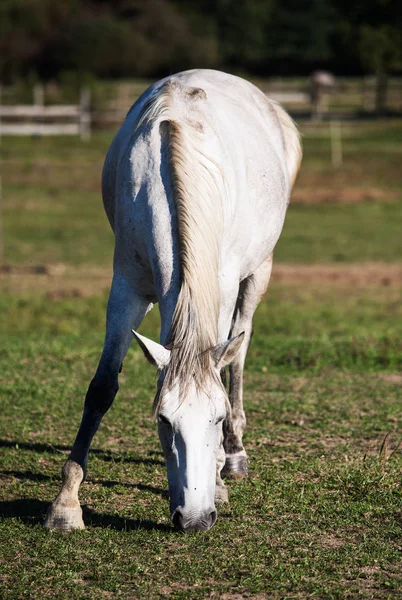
{"points": [[198, 197]]}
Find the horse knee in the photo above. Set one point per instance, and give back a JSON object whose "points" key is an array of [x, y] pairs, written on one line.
{"points": [[100, 395], [232, 444]]}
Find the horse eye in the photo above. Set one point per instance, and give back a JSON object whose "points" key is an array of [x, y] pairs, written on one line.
{"points": [[219, 420], [163, 420]]}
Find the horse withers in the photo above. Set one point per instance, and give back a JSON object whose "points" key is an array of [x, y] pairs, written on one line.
{"points": [[195, 185]]}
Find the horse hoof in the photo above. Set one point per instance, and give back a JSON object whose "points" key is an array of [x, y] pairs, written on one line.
{"points": [[62, 517], [236, 467], [221, 494]]}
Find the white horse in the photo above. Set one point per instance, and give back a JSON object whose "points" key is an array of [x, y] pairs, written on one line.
{"points": [[195, 185]]}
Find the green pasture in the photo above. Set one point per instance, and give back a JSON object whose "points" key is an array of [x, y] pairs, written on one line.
{"points": [[49, 225], [320, 515], [52, 210]]}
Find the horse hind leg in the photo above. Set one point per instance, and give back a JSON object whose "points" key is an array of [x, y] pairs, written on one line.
{"points": [[250, 294], [221, 491], [125, 311]]}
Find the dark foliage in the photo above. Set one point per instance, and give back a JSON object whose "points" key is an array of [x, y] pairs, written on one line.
{"points": [[107, 38]]}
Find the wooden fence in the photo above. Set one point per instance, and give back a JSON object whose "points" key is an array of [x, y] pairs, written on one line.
{"points": [[110, 102], [39, 119], [352, 98]]}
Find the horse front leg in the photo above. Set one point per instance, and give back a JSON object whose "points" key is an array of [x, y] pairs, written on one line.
{"points": [[250, 294], [125, 311]]}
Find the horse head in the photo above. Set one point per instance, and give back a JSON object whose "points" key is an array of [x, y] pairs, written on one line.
{"points": [[190, 420]]}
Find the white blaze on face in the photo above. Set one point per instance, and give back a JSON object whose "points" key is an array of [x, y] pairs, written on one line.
{"points": [[190, 432]]}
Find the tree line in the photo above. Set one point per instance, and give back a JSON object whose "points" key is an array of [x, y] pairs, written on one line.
{"points": [[149, 38]]}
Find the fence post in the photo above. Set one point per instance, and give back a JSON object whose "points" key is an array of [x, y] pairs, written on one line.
{"points": [[1, 224], [336, 143], [1, 192], [85, 114], [368, 94], [39, 95]]}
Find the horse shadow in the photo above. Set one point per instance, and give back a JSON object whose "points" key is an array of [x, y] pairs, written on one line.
{"points": [[41, 477], [105, 455], [32, 511]]}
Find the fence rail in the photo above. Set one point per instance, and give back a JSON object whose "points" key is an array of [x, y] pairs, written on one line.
{"points": [[41, 129], [289, 97], [42, 112], [111, 101], [38, 119]]}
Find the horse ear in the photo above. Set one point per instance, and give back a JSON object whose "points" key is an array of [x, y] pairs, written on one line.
{"points": [[155, 353], [224, 353]]}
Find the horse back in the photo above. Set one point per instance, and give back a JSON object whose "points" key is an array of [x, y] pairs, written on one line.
{"points": [[244, 146]]}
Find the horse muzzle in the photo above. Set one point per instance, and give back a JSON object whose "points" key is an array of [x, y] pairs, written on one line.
{"points": [[187, 524]]}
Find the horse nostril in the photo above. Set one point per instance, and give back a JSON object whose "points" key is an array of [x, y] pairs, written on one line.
{"points": [[212, 518], [177, 519]]}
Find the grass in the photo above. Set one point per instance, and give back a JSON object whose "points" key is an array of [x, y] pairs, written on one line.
{"points": [[341, 233], [45, 224], [320, 514], [51, 191], [309, 329], [53, 227]]}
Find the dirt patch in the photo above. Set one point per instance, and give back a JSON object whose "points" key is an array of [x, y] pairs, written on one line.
{"points": [[31, 269], [58, 281], [355, 274], [236, 596], [395, 378], [344, 195], [61, 281], [298, 383], [178, 586], [330, 542], [63, 294]]}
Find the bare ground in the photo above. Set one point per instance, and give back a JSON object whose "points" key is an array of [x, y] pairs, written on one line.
{"points": [[356, 274], [58, 281], [345, 195], [64, 281]]}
